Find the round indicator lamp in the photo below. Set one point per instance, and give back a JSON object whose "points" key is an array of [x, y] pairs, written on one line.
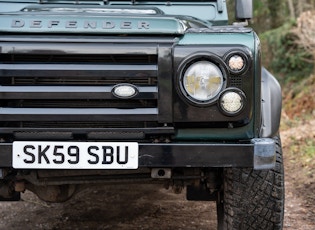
{"points": [[236, 63], [232, 102]]}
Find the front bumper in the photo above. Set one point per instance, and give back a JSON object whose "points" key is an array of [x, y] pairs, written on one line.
{"points": [[259, 153]]}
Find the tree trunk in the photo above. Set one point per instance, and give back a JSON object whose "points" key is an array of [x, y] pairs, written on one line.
{"points": [[291, 9]]}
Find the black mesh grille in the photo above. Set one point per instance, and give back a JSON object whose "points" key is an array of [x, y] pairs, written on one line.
{"points": [[236, 82]]}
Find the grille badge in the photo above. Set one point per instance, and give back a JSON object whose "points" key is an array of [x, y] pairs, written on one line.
{"points": [[125, 91]]}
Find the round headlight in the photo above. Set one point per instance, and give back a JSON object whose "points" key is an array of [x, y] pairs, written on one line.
{"points": [[232, 102], [202, 81]]}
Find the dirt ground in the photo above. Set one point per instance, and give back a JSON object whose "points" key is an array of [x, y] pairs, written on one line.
{"points": [[152, 207], [129, 207], [299, 176]]}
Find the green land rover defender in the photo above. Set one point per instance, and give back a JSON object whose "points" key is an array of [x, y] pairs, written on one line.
{"points": [[117, 91]]}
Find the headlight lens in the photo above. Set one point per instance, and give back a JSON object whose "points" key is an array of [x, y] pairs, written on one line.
{"points": [[202, 81]]}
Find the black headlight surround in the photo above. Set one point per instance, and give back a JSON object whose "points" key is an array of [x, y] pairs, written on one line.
{"points": [[190, 60]]}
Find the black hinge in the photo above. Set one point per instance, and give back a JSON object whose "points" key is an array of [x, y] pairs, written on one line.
{"points": [[220, 6]]}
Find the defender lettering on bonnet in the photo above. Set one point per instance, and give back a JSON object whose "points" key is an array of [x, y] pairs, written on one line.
{"points": [[73, 24]]}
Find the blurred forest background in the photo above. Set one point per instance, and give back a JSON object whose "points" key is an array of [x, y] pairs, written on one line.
{"points": [[287, 32]]}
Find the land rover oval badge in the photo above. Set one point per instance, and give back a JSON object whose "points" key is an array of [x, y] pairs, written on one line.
{"points": [[124, 91]]}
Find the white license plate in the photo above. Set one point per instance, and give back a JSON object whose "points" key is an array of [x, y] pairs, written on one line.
{"points": [[75, 155]]}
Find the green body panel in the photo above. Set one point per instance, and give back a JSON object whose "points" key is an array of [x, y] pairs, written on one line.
{"points": [[207, 11], [134, 19], [211, 38]]}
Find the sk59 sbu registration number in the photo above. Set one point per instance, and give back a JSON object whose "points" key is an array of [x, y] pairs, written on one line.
{"points": [[75, 155]]}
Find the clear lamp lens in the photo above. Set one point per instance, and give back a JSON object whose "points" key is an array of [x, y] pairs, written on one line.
{"points": [[124, 91], [236, 63], [232, 102], [203, 81]]}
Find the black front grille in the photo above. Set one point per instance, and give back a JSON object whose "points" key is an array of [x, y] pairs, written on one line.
{"points": [[67, 84], [78, 58], [77, 125], [57, 70], [122, 104], [73, 81]]}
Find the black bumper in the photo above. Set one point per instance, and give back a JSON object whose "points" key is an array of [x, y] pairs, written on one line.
{"points": [[259, 154]]}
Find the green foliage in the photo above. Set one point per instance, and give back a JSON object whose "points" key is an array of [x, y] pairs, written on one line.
{"points": [[310, 148], [268, 14], [304, 150], [282, 55]]}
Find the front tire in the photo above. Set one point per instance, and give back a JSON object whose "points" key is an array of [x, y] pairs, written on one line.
{"points": [[252, 199]]}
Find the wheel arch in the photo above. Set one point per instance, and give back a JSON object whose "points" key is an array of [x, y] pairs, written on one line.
{"points": [[271, 105]]}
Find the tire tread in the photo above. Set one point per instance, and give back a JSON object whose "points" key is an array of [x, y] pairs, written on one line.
{"points": [[254, 199]]}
